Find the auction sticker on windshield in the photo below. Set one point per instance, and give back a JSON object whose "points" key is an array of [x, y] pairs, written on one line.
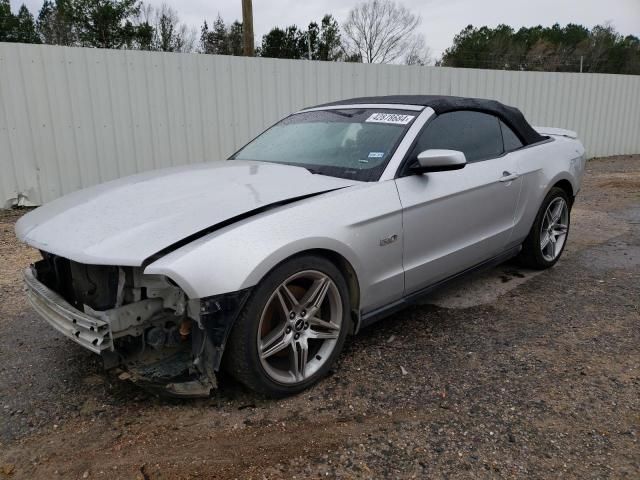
{"points": [[393, 118]]}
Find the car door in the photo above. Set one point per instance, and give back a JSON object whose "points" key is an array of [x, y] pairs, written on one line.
{"points": [[454, 220]]}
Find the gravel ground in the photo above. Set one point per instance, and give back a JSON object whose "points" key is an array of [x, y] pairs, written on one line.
{"points": [[509, 374]]}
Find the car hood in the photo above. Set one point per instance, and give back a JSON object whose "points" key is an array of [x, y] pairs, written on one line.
{"points": [[125, 221]]}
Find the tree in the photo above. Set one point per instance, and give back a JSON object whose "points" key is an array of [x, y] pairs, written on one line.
{"points": [[166, 31], [25, 26], [145, 32], [287, 43], [17, 28], [292, 42], [55, 24], [206, 43], [222, 40], [170, 34], [554, 48], [380, 31], [215, 41], [220, 37], [7, 22], [105, 23], [234, 38], [330, 44], [418, 53]]}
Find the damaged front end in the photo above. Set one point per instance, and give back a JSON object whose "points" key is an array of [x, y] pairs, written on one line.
{"points": [[144, 324]]}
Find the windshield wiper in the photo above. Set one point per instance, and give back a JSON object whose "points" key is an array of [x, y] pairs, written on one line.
{"points": [[344, 114]]}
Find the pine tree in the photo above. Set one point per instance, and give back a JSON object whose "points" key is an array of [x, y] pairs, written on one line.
{"points": [[166, 33], [105, 23], [288, 43], [330, 43], [7, 22], [169, 34], [55, 24], [144, 36], [294, 43], [235, 38], [25, 27], [46, 23], [205, 39], [220, 37]]}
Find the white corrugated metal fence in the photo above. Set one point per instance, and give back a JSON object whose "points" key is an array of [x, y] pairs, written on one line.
{"points": [[74, 117]]}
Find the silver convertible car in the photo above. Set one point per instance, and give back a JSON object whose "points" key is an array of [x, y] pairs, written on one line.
{"points": [[331, 219]]}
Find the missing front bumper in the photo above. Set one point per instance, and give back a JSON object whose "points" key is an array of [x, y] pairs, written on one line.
{"points": [[189, 370], [91, 333]]}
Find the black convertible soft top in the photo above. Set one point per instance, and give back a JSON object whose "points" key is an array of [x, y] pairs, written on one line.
{"points": [[445, 103]]}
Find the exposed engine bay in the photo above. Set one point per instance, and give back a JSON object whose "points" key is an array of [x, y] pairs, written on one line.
{"points": [[143, 323]]}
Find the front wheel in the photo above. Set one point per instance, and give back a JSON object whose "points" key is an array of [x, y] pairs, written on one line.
{"points": [[548, 236], [292, 329]]}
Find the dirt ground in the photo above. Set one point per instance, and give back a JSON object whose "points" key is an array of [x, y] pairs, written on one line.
{"points": [[510, 374]]}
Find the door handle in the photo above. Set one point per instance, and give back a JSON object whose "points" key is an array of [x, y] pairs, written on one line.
{"points": [[508, 176]]}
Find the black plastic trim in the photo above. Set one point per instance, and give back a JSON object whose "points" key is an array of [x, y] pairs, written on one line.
{"points": [[379, 313], [217, 316]]}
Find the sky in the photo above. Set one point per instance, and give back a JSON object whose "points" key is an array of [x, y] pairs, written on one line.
{"points": [[441, 19]]}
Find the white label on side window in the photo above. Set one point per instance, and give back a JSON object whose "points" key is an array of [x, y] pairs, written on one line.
{"points": [[393, 118]]}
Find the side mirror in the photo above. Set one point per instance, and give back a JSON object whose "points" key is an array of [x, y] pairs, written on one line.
{"points": [[438, 161]]}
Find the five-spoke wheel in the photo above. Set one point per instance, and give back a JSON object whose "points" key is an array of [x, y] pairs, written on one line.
{"points": [[553, 231], [292, 328], [299, 326], [548, 236]]}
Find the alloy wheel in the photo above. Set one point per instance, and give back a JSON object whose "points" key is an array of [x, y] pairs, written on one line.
{"points": [[299, 327], [553, 232]]}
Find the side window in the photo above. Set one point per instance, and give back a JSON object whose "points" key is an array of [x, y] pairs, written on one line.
{"points": [[510, 139], [476, 134]]}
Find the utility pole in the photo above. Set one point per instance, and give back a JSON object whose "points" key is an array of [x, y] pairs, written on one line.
{"points": [[581, 58], [247, 28], [309, 42]]}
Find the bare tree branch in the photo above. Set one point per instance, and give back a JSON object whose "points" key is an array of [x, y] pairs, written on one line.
{"points": [[381, 31]]}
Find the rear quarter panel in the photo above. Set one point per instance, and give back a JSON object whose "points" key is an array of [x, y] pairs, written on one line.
{"points": [[542, 166]]}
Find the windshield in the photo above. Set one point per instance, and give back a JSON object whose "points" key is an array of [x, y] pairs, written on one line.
{"points": [[350, 143]]}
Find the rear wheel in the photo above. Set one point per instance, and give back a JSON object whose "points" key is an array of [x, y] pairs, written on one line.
{"points": [[292, 329], [548, 236]]}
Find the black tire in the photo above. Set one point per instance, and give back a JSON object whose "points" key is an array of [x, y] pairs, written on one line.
{"points": [[241, 357], [532, 255]]}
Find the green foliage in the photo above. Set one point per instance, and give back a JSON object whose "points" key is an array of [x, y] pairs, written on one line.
{"points": [[330, 44], [7, 22], [291, 42], [215, 41], [17, 28], [220, 37], [287, 43], [169, 35], [553, 48], [105, 23], [235, 38], [118, 24], [93, 23], [221, 40], [55, 23], [26, 27]]}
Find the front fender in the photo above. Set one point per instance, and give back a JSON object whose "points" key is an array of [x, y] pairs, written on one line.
{"points": [[240, 255], [300, 246]]}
